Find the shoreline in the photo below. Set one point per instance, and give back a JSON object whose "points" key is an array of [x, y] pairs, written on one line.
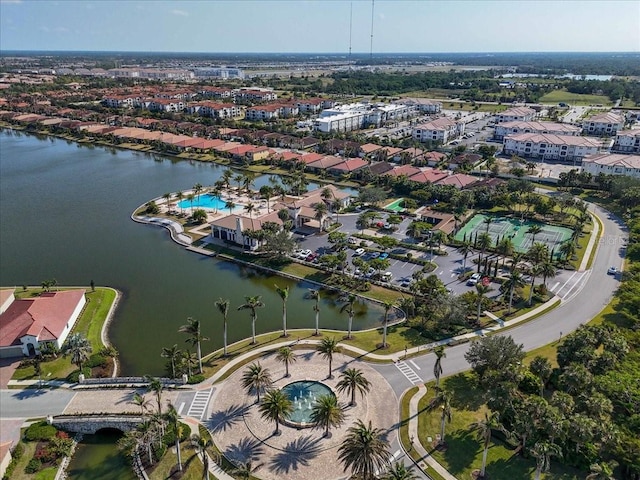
{"points": [[104, 331]]}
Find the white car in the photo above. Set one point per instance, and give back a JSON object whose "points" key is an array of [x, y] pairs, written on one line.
{"points": [[358, 252], [473, 279], [352, 241], [612, 271]]}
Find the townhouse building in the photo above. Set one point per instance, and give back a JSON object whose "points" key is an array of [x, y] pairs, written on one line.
{"points": [[310, 106], [422, 105], [217, 92], [515, 127], [166, 105], [256, 94], [441, 130], [216, 110], [612, 164], [118, 101], [565, 148], [603, 124], [522, 114], [263, 112], [627, 141]]}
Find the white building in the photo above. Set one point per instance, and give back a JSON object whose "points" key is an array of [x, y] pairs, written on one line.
{"points": [[422, 105], [627, 141], [513, 128], [551, 147], [612, 164], [522, 114], [603, 124], [166, 105], [219, 72], [216, 110], [440, 130]]}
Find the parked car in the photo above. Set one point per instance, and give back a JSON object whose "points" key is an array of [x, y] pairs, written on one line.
{"points": [[358, 252], [383, 255], [387, 276], [473, 279], [352, 241], [374, 254], [312, 257]]}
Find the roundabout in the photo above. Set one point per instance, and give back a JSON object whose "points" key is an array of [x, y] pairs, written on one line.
{"points": [[300, 450]]}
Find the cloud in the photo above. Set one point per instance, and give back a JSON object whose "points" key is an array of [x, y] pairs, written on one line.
{"points": [[180, 13], [54, 29], [10, 2]]}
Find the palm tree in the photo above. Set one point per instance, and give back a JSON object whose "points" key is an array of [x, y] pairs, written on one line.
{"points": [[567, 249], [197, 189], [364, 450], [505, 248], [481, 290], [250, 208], [327, 413], [276, 406], [464, 249], [542, 452], [348, 307], [229, 205], [192, 328], [327, 347], [286, 356], [283, 293], [174, 420], [487, 222], [541, 368], [399, 472], [533, 230], [140, 401], [483, 429], [320, 209], [256, 379], [547, 270], [172, 353], [442, 400], [352, 380], [437, 367], [179, 196], [484, 242], [79, 347], [222, 304], [201, 444], [534, 271], [387, 307], [602, 471], [156, 386], [253, 303], [514, 281], [315, 295], [191, 197]]}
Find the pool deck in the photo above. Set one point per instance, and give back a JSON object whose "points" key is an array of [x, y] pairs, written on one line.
{"points": [[241, 434]]}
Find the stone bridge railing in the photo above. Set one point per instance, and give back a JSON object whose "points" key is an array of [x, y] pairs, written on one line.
{"points": [[89, 424]]}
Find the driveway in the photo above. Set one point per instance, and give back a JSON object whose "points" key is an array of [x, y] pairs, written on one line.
{"points": [[7, 367]]}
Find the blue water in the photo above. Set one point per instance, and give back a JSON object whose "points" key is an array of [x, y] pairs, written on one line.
{"points": [[204, 201], [303, 395]]}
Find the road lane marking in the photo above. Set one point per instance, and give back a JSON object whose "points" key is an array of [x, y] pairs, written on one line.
{"points": [[565, 283], [414, 364], [554, 287], [574, 285], [409, 373], [180, 408]]}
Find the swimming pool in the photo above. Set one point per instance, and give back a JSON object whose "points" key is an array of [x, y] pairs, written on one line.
{"points": [[204, 201]]}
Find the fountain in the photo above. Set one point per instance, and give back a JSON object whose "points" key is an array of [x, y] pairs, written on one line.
{"points": [[303, 395]]}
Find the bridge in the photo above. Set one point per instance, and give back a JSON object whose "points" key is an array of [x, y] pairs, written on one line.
{"points": [[90, 424]]}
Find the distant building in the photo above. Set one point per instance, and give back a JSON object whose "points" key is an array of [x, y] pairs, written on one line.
{"points": [[603, 124], [627, 141], [612, 164], [515, 127], [422, 105], [26, 324], [216, 110], [521, 114], [355, 116], [441, 130], [219, 72], [551, 147]]}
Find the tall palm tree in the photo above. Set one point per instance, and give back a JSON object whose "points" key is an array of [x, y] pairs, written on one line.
{"points": [[364, 451], [179, 196], [327, 347], [327, 412], [256, 379], [464, 249], [79, 348], [602, 471], [172, 353], [283, 293], [201, 444], [567, 249], [195, 338], [174, 420], [222, 304], [483, 429], [484, 242], [541, 368], [276, 406], [481, 291], [348, 307], [146, 434], [156, 386], [514, 281], [229, 205], [442, 400], [314, 294], [352, 380], [253, 303], [387, 307], [285, 355], [487, 221], [505, 248], [543, 451], [191, 197], [547, 270], [140, 401], [534, 271], [400, 472], [533, 230], [437, 366], [197, 189], [320, 209]]}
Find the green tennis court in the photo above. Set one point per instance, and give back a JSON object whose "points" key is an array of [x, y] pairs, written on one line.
{"points": [[396, 206], [516, 230]]}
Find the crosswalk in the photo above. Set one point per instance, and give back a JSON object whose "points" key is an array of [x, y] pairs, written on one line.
{"points": [[396, 455], [409, 372], [199, 404]]}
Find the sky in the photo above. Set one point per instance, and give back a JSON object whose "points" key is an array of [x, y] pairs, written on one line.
{"points": [[309, 26]]}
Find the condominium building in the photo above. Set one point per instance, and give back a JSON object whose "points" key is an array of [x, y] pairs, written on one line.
{"points": [[603, 124], [551, 147], [522, 114], [422, 105], [216, 110], [440, 130], [612, 164], [513, 128], [219, 72], [627, 141]]}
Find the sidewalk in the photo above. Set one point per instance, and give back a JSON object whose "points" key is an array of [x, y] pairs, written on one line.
{"points": [[415, 439]]}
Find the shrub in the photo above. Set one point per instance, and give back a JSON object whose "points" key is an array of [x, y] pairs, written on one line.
{"points": [[33, 466], [40, 431], [195, 379], [73, 376], [96, 360], [18, 451]]}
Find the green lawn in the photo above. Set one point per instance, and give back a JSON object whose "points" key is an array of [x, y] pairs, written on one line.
{"points": [[557, 96], [192, 466]]}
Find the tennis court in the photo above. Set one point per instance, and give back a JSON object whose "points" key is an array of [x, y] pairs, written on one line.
{"points": [[516, 230]]}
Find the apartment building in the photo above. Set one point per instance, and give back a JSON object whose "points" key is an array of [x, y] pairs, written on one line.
{"points": [[551, 147], [516, 114], [216, 110], [612, 164], [263, 112], [256, 94], [516, 127], [627, 141], [422, 105], [440, 130], [603, 124], [314, 105], [166, 105], [219, 73]]}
